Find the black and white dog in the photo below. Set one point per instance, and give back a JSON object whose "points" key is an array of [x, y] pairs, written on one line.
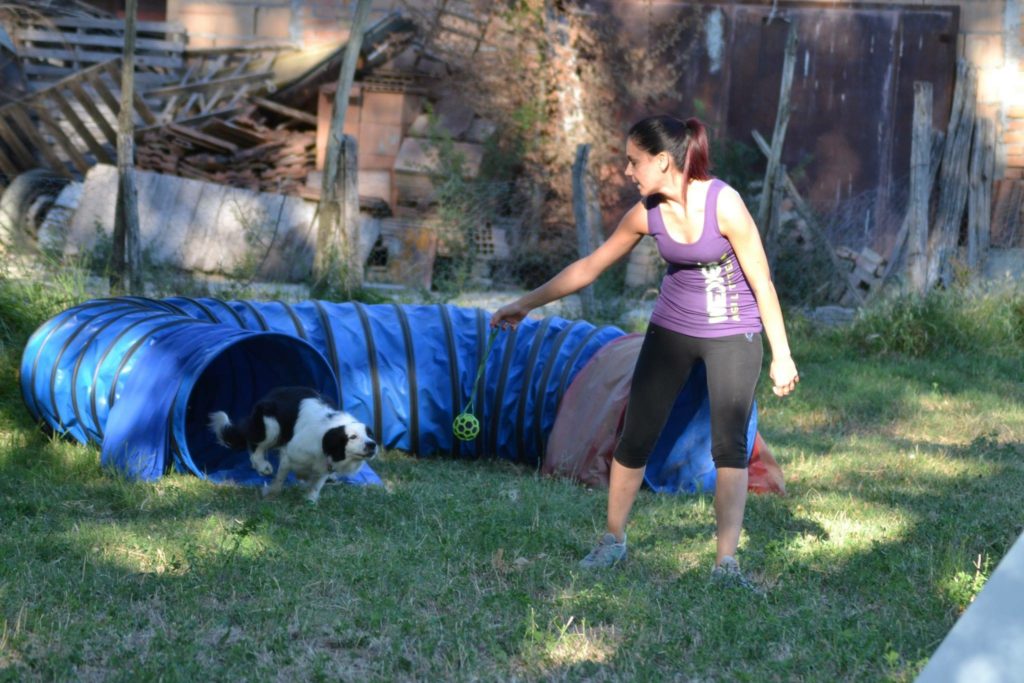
{"points": [[314, 438]]}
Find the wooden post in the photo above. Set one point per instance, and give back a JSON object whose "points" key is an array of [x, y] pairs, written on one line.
{"points": [[581, 211], [952, 199], [920, 188], [979, 198], [336, 262], [779, 134], [896, 252], [126, 252], [811, 220]]}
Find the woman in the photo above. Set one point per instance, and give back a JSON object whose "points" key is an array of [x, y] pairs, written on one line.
{"points": [[715, 300]]}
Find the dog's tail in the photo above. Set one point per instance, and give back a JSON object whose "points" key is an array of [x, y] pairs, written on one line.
{"points": [[228, 435]]}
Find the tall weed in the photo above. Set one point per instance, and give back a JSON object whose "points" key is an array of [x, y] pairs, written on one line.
{"points": [[961, 320]]}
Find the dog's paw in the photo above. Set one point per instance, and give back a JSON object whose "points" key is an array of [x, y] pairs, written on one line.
{"points": [[266, 469], [312, 500]]}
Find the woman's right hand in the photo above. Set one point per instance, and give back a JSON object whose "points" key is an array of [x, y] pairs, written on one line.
{"points": [[509, 315]]}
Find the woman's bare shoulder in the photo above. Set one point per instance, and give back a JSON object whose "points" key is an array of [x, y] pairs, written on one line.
{"points": [[635, 219]]}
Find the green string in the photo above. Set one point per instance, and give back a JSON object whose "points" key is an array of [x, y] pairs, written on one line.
{"points": [[465, 426], [480, 371]]}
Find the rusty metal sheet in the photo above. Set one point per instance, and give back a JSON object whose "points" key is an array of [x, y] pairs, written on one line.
{"points": [[852, 97], [849, 131]]}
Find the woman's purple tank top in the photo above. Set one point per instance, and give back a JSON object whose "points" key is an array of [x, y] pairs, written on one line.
{"points": [[704, 292]]}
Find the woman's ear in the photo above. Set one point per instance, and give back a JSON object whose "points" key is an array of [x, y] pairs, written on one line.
{"points": [[663, 162]]}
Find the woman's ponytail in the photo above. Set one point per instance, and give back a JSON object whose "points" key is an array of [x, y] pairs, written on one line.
{"points": [[685, 141]]}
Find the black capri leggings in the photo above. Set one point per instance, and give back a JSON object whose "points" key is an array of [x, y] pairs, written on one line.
{"points": [[666, 358]]}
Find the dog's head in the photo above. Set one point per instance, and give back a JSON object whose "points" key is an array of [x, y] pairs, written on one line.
{"points": [[352, 442]]}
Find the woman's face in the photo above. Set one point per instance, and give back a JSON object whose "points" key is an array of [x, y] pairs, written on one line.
{"points": [[643, 168]]}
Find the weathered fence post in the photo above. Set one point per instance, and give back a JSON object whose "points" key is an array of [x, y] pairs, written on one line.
{"points": [[126, 251], [920, 188], [581, 208], [336, 262], [952, 197], [771, 175], [979, 197]]}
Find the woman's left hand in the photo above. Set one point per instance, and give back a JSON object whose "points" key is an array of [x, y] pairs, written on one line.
{"points": [[784, 375]]}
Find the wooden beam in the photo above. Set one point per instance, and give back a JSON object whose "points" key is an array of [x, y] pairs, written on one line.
{"points": [[952, 198], [54, 95], [24, 158], [778, 135], [281, 109], [202, 138], [335, 204], [80, 22], [920, 188], [208, 85], [28, 130], [87, 102], [126, 257], [584, 234], [979, 197], [811, 220], [69, 147], [96, 40]]}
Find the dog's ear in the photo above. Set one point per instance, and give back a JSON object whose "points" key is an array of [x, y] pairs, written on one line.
{"points": [[334, 442]]}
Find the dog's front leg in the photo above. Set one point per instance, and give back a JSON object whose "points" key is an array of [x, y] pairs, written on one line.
{"points": [[258, 459], [314, 491], [278, 483]]}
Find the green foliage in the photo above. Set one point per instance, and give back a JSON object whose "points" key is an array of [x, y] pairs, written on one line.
{"points": [[960, 320], [739, 164], [467, 207], [25, 303], [804, 275]]}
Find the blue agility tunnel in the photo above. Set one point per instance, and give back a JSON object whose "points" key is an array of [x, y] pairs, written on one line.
{"points": [[140, 376]]}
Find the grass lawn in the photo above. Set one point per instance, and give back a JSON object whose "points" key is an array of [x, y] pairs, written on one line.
{"points": [[903, 450]]}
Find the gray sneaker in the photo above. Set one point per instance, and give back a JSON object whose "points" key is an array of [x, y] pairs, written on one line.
{"points": [[728, 574], [608, 553]]}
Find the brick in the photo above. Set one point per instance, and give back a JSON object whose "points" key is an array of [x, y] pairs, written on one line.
{"points": [[1015, 112], [1014, 173], [383, 139], [391, 108], [274, 22], [982, 16], [1013, 137], [224, 21], [324, 112]]}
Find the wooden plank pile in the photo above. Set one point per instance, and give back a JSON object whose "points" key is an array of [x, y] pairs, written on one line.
{"points": [[68, 126], [215, 80], [241, 151]]}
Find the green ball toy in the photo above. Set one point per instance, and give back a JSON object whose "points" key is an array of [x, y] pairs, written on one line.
{"points": [[466, 427]]}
